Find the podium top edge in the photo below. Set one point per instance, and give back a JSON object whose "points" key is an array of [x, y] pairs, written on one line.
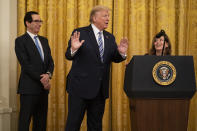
{"points": [[163, 56]]}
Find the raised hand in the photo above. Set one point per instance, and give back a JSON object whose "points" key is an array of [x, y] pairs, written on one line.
{"points": [[123, 46], [75, 43]]}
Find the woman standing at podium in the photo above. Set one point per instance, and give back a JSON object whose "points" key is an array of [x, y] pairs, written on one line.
{"points": [[158, 42]]}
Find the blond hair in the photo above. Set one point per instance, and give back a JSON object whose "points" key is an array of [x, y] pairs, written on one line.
{"points": [[97, 9]]}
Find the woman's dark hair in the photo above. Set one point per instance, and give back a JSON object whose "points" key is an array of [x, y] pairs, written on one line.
{"points": [[28, 17], [167, 40]]}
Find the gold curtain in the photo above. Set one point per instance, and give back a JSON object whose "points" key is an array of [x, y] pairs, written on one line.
{"points": [[138, 20]]}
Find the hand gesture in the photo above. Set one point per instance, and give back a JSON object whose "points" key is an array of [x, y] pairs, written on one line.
{"points": [[123, 46], [75, 43], [47, 86], [45, 81]]}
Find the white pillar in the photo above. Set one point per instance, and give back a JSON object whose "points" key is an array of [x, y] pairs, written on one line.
{"points": [[8, 65]]}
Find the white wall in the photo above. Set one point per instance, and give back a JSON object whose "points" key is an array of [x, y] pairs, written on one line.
{"points": [[8, 65]]}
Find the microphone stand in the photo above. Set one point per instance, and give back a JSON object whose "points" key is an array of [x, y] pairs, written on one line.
{"points": [[162, 54]]}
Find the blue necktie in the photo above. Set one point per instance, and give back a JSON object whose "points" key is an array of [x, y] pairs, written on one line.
{"points": [[100, 44], [38, 47]]}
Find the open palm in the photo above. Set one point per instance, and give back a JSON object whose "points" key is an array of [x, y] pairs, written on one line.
{"points": [[75, 43], [123, 46]]}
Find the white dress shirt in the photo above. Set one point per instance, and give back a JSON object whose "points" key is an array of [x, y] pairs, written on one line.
{"points": [[96, 33], [32, 36]]}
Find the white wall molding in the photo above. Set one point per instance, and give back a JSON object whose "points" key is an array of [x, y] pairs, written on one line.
{"points": [[8, 65]]}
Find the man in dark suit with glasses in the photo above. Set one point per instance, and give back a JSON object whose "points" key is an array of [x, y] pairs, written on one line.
{"points": [[34, 55]]}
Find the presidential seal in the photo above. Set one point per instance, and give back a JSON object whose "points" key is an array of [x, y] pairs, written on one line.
{"points": [[164, 73]]}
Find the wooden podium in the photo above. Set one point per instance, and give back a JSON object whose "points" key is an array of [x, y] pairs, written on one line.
{"points": [[156, 107]]}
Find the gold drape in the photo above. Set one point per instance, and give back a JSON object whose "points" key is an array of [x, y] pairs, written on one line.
{"points": [[138, 20]]}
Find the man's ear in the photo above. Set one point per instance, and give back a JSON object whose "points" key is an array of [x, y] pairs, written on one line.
{"points": [[94, 18], [27, 23]]}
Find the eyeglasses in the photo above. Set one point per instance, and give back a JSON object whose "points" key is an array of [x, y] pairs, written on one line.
{"points": [[37, 21]]}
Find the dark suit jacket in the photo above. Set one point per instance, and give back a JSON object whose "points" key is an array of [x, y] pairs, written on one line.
{"points": [[88, 74], [32, 65]]}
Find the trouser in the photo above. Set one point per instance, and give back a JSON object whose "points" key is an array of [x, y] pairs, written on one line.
{"points": [[78, 106], [35, 106]]}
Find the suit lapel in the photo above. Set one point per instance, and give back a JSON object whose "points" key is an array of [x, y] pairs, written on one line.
{"points": [[107, 44], [43, 47], [33, 46], [95, 44], [93, 41]]}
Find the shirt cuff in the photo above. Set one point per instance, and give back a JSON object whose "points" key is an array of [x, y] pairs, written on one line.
{"points": [[124, 56], [50, 75], [73, 52]]}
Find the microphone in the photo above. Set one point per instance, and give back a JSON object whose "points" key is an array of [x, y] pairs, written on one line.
{"points": [[163, 34]]}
